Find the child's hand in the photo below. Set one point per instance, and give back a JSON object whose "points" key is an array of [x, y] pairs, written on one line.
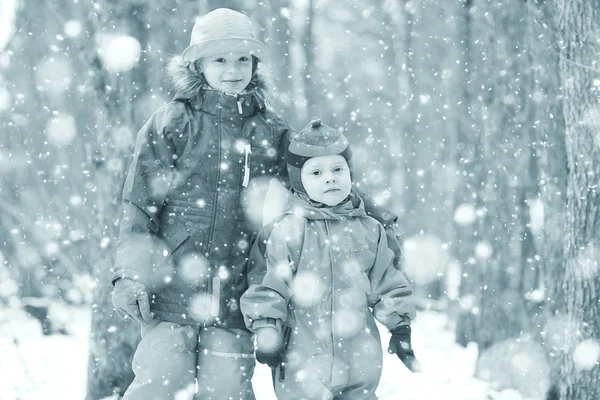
{"points": [[131, 301], [400, 345], [269, 346]]}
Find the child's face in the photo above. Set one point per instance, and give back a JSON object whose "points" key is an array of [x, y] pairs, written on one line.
{"points": [[228, 72], [326, 179]]}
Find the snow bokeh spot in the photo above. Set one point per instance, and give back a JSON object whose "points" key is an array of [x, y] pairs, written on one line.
{"points": [[201, 308], [348, 323], [591, 119], [160, 184], [586, 265], [267, 339], [186, 393], [73, 28], [308, 289], [253, 199], [560, 332], [119, 53], [193, 267], [5, 99], [122, 138], [426, 258], [61, 130], [54, 75], [587, 354], [483, 250], [284, 270], [465, 214], [536, 215]]}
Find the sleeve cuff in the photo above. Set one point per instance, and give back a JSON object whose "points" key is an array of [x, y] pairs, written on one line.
{"points": [[267, 323], [126, 273]]}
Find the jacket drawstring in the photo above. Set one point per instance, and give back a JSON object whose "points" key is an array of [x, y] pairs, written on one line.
{"points": [[247, 151]]}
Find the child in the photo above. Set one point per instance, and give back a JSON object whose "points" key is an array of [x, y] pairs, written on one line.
{"points": [[184, 240], [181, 262], [315, 274]]}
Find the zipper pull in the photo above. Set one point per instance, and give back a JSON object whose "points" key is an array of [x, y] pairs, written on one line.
{"points": [[247, 151]]}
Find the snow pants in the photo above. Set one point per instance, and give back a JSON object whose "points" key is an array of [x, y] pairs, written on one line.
{"points": [[189, 362], [316, 368]]}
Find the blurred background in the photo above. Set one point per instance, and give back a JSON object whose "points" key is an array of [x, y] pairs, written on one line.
{"points": [[457, 111]]}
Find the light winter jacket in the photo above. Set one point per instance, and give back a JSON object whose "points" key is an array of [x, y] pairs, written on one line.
{"points": [[326, 271]]}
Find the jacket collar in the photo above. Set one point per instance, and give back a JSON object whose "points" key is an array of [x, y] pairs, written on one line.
{"points": [[190, 87], [300, 204]]}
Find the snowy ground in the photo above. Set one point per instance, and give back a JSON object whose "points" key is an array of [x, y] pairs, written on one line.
{"points": [[34, 366]]}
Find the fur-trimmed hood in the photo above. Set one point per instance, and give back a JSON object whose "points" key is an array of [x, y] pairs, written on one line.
{"points": [[187, 83]]}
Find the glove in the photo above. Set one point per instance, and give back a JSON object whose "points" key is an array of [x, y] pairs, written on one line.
{"points": [[131, 301], [269, 346], [400, 345]]}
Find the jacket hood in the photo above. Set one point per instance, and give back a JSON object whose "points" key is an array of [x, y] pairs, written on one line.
{"points": [[188, 83], [300, 204]]}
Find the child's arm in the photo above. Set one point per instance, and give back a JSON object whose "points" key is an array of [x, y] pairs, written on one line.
{"points": [[144, 192], [390, 298], [391, 293], [270, 274], [389, 222]]}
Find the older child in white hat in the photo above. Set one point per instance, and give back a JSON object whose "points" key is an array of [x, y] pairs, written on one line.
{"points": [[184, 241], [317, 277]]}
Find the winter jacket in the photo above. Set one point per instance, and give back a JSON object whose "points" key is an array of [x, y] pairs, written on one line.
{"points": [[184, 233], [326, 271]]}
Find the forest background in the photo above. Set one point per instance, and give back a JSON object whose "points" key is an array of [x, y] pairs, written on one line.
{"points": [[476, 121]]}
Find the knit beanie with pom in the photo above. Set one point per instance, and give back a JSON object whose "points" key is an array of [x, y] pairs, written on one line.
{"points": [[315, 140]]}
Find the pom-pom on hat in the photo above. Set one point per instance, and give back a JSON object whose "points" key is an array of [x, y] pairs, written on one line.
{"points": [[223, 31], [314, 140]]}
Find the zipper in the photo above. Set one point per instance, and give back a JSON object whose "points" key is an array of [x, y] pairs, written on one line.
{"points": [[332, 294], [207, 280]]}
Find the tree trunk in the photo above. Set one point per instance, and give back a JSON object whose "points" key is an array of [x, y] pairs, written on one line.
{"points": [[279, 41], [577, 22], [468, 166], [552, 162], [504, 118], [313, 85], [112, 341]]}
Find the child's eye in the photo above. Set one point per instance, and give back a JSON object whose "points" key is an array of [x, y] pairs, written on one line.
{"points": [[219, 60], [244, 59], [316, 173], [338, 169]]}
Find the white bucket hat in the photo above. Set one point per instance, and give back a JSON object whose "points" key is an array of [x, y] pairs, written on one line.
{"points": [[221, 31]]}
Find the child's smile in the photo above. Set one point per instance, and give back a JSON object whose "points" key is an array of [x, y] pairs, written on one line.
{"points": [[228, 72]]}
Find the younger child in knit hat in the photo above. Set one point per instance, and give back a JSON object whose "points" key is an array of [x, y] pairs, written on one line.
{"points": [[319, 275], [184, 238]]}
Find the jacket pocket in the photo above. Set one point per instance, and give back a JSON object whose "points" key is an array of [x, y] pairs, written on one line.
{"points": [[174, 239]]}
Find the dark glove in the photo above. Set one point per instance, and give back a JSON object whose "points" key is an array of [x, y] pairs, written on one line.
{"points": [[269, 346], [400, 345]]}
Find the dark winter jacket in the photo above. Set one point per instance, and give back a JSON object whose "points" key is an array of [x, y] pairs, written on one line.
{"points": [[184, 233]]}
